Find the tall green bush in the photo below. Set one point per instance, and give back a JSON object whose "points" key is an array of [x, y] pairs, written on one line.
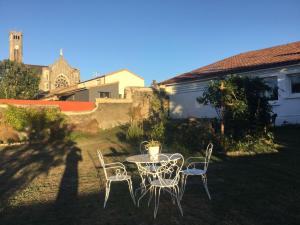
{"points": [[158, 115]]}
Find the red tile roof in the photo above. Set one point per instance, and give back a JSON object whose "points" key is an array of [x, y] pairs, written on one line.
{"points": [[281, 55], [64, 106]]}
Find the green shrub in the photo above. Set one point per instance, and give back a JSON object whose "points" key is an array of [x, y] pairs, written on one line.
{"points": [[193, 135], [23, 138], [254, 144], [135, 132], [17, 117], [38, 123], [76, 135], [10, 141], [179, 148]]}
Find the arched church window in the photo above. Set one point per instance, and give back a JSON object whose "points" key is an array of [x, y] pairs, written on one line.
{"points": [[61, 82]]}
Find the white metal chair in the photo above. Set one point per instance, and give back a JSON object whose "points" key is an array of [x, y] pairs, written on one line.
{"points": [[197, 166], [167, 177], [119, 174]]}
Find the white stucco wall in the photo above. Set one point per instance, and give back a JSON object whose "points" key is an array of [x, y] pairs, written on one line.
{"points": [[125, 79], [183, 96], [183, 103]]}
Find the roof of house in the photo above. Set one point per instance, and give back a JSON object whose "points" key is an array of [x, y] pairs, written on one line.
{"points": [[280, 55]]}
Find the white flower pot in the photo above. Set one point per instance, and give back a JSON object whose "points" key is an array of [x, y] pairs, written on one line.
{"points": [[153, 152]]}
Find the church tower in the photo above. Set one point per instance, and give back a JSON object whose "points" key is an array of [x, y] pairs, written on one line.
{"points": [[16, 46]]}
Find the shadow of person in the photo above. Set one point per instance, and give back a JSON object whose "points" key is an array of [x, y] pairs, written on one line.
{"points": [[68, 189]]}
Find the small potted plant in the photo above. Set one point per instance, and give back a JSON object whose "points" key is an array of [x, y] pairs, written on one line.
{"points": [[153, 148]]}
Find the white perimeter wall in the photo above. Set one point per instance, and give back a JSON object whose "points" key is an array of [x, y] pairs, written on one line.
{"points": [[183, 96]]}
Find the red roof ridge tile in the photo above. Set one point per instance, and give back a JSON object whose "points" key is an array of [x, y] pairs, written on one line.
{"points": [[278, 55]]}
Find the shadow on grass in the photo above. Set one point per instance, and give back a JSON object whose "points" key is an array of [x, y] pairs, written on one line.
{"points": [[260, 189], [116, 153], [20, 165], [68, 188]]}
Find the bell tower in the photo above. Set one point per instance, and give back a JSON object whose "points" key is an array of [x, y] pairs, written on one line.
{"points": [[16, 46]]}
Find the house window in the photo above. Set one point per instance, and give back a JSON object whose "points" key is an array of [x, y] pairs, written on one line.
{"points": [[273, 84], [295, 83], [104, 94]]}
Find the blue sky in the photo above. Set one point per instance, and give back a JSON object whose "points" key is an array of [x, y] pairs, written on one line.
{"points": [[156, 39]]}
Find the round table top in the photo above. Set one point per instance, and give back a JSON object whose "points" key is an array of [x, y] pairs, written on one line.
{"points": [[145, 158]]}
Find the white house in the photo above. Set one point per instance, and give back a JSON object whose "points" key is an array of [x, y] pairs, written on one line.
{"points": [[279, 66], [111, 85], [124, 78]]}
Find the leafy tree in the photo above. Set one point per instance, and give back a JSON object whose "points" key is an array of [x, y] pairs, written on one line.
{"points": [[241, 105], [158, 113], [18, 81]]}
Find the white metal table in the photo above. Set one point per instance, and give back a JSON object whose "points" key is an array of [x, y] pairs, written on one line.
{"points": [[146, 165], [145, 158]]}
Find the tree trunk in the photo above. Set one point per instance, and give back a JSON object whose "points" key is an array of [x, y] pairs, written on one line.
{"points": [[222, 128]]}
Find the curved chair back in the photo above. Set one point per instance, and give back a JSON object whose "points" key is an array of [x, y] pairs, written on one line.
{"points": [[170, 169], [208, 152], [101, 159]]}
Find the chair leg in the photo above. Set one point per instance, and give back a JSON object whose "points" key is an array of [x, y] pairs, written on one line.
{"points": [[131, 190], [183, 184], [204, 179], [142, 186], [107, 190], [178, 198], [173, 194], [156, 196], [150, 197], [144, 193]]}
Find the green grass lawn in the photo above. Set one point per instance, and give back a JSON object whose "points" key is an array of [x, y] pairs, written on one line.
{"points": [[62, 183]]}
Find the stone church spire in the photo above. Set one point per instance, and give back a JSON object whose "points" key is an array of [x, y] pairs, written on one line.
{"points": [[16, 46]]}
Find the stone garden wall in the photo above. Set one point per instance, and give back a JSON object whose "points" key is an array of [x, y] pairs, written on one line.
{"points": [[113, 112], [106, 114]]}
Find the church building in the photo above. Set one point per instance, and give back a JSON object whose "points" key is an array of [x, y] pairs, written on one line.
{"points": [[60, 81], [55, 76]]}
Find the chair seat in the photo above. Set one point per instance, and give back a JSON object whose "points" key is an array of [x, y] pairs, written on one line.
{"points": [[193, 171], [163, 183], [119, 178]]}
